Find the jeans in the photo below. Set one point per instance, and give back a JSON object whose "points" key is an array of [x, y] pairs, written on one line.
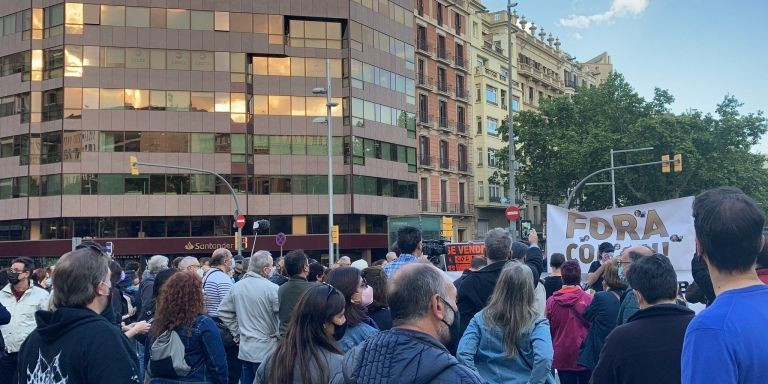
{"points": [[233, 364], [249, 372], [140, 353], [8, 363], [574, 377]]}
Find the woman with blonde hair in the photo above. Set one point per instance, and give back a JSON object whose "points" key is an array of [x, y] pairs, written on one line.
{"points": [[507, 341], [601, 314]]}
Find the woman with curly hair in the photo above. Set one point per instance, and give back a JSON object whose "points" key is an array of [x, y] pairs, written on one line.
{"points": [[308, 354], [180, 308]]}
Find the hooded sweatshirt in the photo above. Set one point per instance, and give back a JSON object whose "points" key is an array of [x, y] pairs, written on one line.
{"points": [[76, 345], [565, 310]]}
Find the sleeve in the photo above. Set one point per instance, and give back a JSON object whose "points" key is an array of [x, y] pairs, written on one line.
{"points": [[5, 316], [543, 353], [145, 295], [606, 371], [535, 261], [593, 308], [468, 344], [228, 315], [42, 305], [112, 362], [594, 266], [704, 349], [701, 277], [275, 301], [215, 356]]}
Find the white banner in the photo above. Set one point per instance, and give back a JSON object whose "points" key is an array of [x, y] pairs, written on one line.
{"points": [[665, 226]]}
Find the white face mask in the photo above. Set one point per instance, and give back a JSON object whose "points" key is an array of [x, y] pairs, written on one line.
{"points": [[199, 272], [232, 264]]}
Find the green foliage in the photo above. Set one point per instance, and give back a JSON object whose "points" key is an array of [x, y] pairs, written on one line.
{"points": [[571, 137]]}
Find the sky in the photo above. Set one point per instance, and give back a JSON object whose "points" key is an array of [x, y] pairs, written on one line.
{"points": [[699, 50]]}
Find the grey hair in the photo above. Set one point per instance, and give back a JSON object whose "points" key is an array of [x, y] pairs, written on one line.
{"points": [[259, 261], [186, 262], [411, 291], [219, 256], [157, 263], [345, 258], [497, 244], [78, 275], [511, 306]]}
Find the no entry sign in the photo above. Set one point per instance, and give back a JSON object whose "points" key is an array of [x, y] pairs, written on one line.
{"points": [[512, 213]]}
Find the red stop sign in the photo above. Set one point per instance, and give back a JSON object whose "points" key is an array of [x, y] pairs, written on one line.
{"points": [[240, 221], [512, 213]]}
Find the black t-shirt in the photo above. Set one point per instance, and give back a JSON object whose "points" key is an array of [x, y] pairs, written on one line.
{"points": [[552, 284], [598, 286]]}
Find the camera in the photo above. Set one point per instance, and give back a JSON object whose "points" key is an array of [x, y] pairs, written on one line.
{"points": [[261, 227], [433, 248]]}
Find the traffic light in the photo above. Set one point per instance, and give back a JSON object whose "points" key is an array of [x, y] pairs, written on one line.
{"points": [[665, 164], [678, 162], [134, 166], [335, 234]]}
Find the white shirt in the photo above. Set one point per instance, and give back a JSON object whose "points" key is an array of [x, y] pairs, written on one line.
{"points": [[22, 314]]}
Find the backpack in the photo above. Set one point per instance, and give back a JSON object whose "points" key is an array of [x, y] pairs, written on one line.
{"points": [[167, 356]]}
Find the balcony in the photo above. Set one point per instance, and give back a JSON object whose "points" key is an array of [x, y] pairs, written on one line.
{"points": [[461, 128], [445, 164], [443, 55], [423, 47], [425, 119], [461, 62], [462, 94], [425, 81], [427, 161], [444, 88], [446, 207], [465, 167]]}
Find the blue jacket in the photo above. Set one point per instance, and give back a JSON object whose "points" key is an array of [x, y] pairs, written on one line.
{"points": [[204, 353], [355, 335], [400, 356], [482, 350]]}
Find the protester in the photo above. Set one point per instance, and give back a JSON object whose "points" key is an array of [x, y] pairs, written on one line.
{"points": [[379, 263], [119, 308], [74, 343], [554, 281], [316, 273], [726, 343], [181, 309], [344, 261], [159, 282], [507, 341], [422, 301], [565, 311], [49, 277], [409, 242], [239, 270], [629, 305], [595, 275], [250, 312], [189, 264], [297, 267], [205, 265], [601, 314], [357, 296], [475, 265], [477, 288], [360, 264], [379, 308], [653, 337], [22, 299], [216, 285], [278, 272], [38, 278], [308, 354], [155, 264]]}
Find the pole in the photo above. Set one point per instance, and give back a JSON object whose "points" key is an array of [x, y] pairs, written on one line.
{"points": [[330, 160], [510, 120], [239, 245], [613, 182]]}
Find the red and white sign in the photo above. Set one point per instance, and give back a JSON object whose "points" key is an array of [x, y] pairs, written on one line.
{"points": [[512, 213], [240, 221]]}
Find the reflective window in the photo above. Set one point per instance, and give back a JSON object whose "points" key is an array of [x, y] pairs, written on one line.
{"points": [[260, 105], [157, 58], [221, 101], [241, 22], [221, 21], [136, 99], [111, 99], [202, 61], [177, 101], [112, 57], [137, 17], [91, 56], [157, 100], [177, 19], [279, 66], [74, 18], [202, 143], [260, 24], [53, 20], [178, 60], [137, 58], [280, 145], [202, 102], [90, 98], [157, 17], [113, 15], [202, 20]]}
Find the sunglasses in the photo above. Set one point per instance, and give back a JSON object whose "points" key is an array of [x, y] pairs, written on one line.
{"points": [[92, 246], [331, 290]]}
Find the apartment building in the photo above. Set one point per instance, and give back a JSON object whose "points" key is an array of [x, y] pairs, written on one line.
{"points": [[223, 85]]}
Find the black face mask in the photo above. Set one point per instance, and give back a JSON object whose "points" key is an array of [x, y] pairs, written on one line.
{"points": [[339, 330], [13, 277], [454, 329]]}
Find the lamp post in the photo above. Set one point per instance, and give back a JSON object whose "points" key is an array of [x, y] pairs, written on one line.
{"points": [[510, 119], [329, 121]]}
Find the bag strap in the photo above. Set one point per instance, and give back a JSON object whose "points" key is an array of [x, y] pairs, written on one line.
{"points": [[212, 271]]}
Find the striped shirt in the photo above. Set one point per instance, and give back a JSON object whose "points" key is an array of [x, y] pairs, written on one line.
{"points": [[215, 287]]}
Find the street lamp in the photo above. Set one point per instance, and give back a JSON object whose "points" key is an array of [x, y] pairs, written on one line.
{"points": [[510, 119], [328, 120]]}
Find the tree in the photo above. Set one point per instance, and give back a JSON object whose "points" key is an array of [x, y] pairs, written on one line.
{"points": [[571, 137]]}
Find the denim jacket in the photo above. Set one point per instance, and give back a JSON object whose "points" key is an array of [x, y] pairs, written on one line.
{"points": [[355, 335], [482, 350], [204, 353]]}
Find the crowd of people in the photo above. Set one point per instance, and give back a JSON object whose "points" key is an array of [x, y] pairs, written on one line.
{"points": [[401, 320]]}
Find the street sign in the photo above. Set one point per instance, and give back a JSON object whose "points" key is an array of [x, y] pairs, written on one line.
{"points": [[446, 227], [280, 239], [240, 221], [335, 234], [109, 247], [512, 213]]}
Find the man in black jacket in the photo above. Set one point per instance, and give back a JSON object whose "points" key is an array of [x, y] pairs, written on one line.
{"points": [[74, 343], [478, 286], [648, 348]]}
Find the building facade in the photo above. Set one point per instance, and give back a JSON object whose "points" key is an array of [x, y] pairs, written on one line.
{"points": [[223, 85], [541, 70], [443, 113]]}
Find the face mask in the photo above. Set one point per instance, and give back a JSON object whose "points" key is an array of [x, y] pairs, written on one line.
{"points": [[339, 330], [199, 272], [232, 263], [454, 328], [48, 282], [367, 296], [13, 277], [122, 276]]}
